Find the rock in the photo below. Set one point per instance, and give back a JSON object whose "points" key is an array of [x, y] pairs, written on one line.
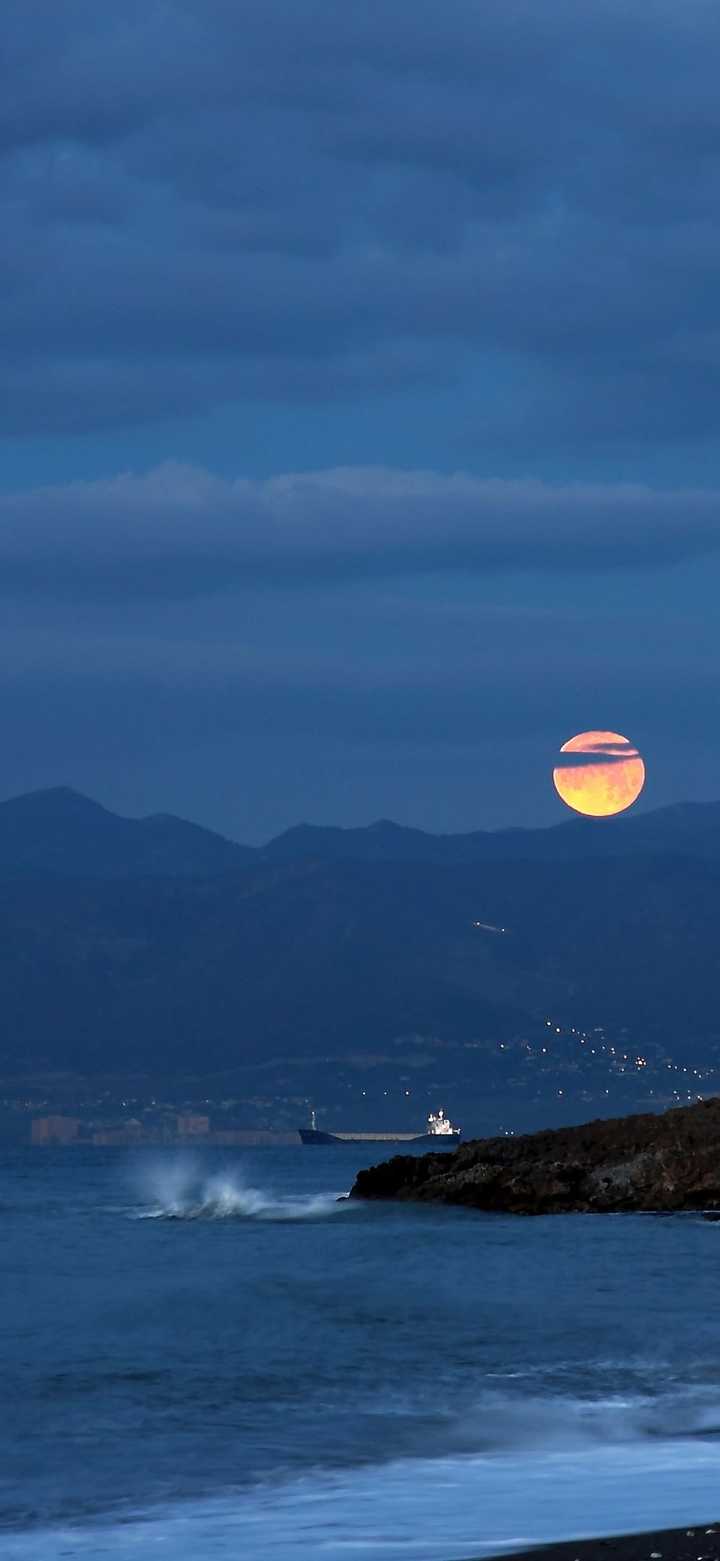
{"points": [[668, 1164]]}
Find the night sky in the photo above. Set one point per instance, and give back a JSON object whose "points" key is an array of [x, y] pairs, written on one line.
{"points": [[361, 399]]}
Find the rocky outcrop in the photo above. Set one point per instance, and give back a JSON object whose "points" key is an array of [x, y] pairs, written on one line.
{"points": [[659, 1164]]}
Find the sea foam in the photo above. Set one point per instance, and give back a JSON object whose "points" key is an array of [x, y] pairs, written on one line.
{"points": [[420, 1510]]}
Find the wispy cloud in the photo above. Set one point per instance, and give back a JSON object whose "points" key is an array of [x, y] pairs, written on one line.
{"points": [[179, 531]]}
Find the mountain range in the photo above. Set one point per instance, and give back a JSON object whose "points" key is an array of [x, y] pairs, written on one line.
{"points": [[378, 959], [60, 831]]}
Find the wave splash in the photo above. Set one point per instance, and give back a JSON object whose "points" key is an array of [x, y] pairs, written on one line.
{"points": [[503, 1424], [181, 1192]]}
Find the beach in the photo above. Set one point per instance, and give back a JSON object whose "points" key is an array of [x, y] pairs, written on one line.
{"points": [[701, 1543]]}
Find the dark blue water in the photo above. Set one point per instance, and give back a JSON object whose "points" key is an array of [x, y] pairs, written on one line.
{"points": [[213, 1356]]}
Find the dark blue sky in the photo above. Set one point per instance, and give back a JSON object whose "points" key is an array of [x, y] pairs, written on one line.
{"points": [[361, 392]]}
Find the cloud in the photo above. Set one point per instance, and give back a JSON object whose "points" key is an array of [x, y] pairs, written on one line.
{"points": [[204, 205], [576, 761], [180, 531]]}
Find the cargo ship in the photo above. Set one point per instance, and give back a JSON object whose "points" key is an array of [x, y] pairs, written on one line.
{"points": [[439, 1134]]}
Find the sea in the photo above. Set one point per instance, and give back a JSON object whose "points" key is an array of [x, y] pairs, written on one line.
{"points": [[216, 1355]]}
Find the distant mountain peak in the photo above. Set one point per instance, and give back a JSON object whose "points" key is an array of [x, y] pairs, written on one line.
{"points": [[55, 799], [388, 826], [61, 832]]}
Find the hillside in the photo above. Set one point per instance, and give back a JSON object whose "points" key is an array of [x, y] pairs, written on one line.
{"points": [[686, 829], [350, 959], [61, 832], [152, 946]]}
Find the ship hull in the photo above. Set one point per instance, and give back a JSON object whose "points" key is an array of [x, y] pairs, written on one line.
{"points": [[310, 1135]]}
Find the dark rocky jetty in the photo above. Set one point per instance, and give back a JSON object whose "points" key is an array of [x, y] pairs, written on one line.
{"points": [[659, 1164]]}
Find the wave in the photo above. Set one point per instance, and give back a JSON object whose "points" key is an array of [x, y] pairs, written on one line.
{"points": [[425, 1509], [181, 1193], [502, 1423]]}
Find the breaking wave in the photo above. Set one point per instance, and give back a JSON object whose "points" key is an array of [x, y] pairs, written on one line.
{"points": [[180, 1192], [503, 1423], [426, 1509]]}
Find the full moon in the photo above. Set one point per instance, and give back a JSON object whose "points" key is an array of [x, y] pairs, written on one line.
{"points": [[602, 774]]}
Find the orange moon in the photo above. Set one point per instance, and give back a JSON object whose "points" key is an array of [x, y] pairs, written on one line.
{"points": [[608, 781]]}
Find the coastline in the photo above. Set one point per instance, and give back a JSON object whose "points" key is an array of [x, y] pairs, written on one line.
{"points": [[647, 1164], [676, 1544]]}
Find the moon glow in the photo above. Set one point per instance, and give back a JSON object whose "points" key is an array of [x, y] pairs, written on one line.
{"points": [[602, 774]]}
